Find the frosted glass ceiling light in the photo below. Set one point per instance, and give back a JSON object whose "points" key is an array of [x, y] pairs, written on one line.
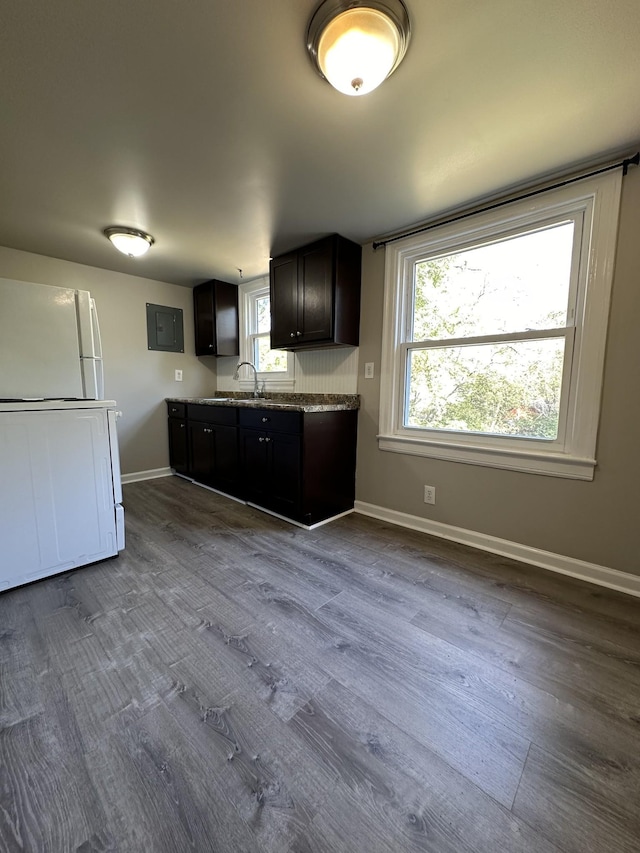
{"points": [[129, 241], [356, 45]]}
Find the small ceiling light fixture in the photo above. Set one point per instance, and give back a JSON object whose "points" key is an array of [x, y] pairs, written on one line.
{"points": [[356, 44], [129, 241]]}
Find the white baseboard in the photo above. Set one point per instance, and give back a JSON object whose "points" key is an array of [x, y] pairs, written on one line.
{"points": [[591, 572], [153, 474], [299, 523]]}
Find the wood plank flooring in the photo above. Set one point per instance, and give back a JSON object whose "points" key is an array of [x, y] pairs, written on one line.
{"points": [[232, 683]]}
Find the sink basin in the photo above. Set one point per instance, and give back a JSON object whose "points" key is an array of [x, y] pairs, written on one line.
{"points": [[215, 399]]}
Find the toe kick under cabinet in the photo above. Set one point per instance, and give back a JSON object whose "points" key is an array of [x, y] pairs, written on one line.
{"points": [[300, 465]]}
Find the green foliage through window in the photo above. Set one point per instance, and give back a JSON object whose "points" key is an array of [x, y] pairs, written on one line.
{"points": [[490, 295]]}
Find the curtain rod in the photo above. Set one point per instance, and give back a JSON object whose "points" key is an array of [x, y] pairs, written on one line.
{"points": [[622, 164]]}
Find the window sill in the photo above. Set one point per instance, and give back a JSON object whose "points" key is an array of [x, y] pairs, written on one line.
{"points": [[551, 464]]}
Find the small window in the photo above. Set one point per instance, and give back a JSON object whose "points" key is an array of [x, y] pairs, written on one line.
{"points": [[274, 367], [494, 334]]}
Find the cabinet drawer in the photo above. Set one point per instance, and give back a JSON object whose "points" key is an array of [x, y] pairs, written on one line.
{"points": [[225, 415], [176, 410], [271, 419]]}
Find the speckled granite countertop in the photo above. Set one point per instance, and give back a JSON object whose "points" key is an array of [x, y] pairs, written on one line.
{"points": [[291, 402]]}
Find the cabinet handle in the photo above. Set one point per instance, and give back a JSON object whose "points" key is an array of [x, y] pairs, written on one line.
{"points": [[265, 420], [261, 438], [293, 334], [210, 346], [267, 439], [181, 426], [298, 334], [207, 430]]}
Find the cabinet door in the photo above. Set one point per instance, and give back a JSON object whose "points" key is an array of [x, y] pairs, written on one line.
{"points": [[178, 447], [253, 452], [201, 445], [271, 466], [214, 455], [215, 315], [225, 473], [315, 292], [204, 319], [284, 473], [284, 300], [227, 336]]}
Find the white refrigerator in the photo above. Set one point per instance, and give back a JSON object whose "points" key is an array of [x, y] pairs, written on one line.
{"points": [[49, 343], [60, 487]]}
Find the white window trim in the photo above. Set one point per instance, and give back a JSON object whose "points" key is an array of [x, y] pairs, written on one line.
{"points": [[281, 381], [574, 454]]}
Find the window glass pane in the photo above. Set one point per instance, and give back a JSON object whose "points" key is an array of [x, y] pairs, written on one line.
{"points": [[263, 317], [510, 286], [502, 389], [268, 360]]}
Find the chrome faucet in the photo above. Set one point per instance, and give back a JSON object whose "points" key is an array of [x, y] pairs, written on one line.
{"points": [[250, 364]]}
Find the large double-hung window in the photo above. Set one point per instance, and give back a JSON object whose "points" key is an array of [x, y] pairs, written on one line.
{"points": [[494, 334]]}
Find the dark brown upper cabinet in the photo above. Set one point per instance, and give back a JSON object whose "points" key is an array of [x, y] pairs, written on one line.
{"points": [[215, 309], [315, 295]]}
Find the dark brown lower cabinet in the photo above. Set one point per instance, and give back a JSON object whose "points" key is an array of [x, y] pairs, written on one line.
{"points": [[214, 455], [300, 465], [213, 447], [271, 470], [178, 438]]}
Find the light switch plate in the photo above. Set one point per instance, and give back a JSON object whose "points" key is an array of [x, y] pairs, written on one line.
{"points": [[368, 370]]}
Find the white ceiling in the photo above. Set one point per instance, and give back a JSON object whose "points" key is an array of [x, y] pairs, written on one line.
{"points": [[204, 123]]}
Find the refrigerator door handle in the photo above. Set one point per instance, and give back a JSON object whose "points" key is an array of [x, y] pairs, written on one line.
{"points": [[95, 326], [99, 378], [115, 455], [92, 378]]}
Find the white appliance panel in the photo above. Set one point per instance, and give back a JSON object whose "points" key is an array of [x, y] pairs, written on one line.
{"points": [[57, 507], [112, 418], [39, 350], [120, 527], [95, 328], [92, 370], [86, 343]]}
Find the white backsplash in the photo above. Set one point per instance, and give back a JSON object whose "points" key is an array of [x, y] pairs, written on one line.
{"points": [[330, 371]]}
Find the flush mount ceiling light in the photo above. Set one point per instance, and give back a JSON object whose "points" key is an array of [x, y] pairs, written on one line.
{"points": [[129, 241], [356, 45]]}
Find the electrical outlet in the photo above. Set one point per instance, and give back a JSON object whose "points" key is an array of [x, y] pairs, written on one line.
{"points": [[430, 494], [178, 376], [368, 370]]}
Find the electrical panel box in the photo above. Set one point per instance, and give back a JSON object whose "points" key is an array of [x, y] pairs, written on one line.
{"points": [[165, 328]]}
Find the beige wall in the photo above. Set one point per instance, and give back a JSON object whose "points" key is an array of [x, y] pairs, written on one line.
{"points": [[331, 371], [594, 521], [138, 379]]}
